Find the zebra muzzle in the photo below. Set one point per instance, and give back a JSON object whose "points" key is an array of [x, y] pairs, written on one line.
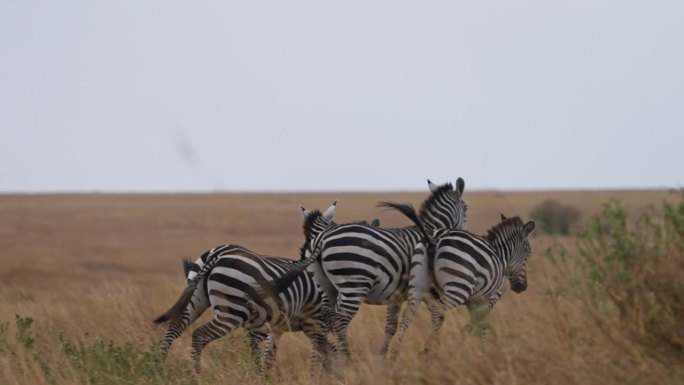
{"points": [[519, 285]]}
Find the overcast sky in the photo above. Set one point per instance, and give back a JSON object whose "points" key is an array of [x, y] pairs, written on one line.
{"points": [[133, 95]]}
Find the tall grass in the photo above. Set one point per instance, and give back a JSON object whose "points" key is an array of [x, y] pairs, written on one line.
{"points": [[603, 306]]}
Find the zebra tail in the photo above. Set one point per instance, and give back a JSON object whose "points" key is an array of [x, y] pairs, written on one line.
{"points": [[411, 214], [431, 270], [176, 311], [280, 284], [187, 266]]}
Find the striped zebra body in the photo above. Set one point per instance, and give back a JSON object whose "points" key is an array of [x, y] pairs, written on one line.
{"points": [[367, 263], [229, 280], [364, 264], [315, 224], [466, 269]]}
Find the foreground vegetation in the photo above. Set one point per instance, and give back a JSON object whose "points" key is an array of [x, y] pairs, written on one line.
{"points": [[605, 305]]}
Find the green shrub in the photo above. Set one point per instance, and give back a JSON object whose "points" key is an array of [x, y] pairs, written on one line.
{"points": [[101, 362], [554, 217], [635, 268], [89, 360]]}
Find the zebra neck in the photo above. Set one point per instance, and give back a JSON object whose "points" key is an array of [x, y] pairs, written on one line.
{"points": [[502, 248], [415, 233], [430, 225]]}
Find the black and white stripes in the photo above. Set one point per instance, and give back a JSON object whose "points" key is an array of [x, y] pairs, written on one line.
{"points": [[460, 268], [343, 266], [230, 279], [229, 282], [362, 264]]}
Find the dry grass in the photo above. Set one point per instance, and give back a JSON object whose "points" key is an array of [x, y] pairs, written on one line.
{"points": [[106, 265]]}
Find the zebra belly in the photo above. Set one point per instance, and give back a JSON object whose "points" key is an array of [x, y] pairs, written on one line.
{"points": [[388, 291], [483, 294], [281, 324]]}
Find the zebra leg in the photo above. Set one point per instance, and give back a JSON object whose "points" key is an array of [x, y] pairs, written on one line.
{"points": [[437, 318], [484, 326], [476, 323], [478, 311], [254, 340], [347, 307], [390, 326], [484, 329], [173, 331], [176, 328], [404, 323], [341, 324], [321, 351], [270, 353], [419, 284], [206, 333]]}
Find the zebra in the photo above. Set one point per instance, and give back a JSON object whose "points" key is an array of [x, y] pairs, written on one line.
{"points": [[227, 278], [363, 264], [452, 268]]}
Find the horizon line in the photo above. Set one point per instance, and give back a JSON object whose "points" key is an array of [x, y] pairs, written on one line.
{"points": [[329, 191]]}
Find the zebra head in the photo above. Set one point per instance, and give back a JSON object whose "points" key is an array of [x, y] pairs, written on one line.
{"points": [[510, 240], [444, 208], [315, 223]]}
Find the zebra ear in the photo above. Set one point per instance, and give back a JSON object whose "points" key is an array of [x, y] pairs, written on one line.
{"points": [[433, 187], [528, 228], [460, 186], [305, 212], [330, 212], [375, 222], [503, 217]]}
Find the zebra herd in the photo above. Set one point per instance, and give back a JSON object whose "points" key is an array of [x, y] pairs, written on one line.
{"points": [[343, 266]]}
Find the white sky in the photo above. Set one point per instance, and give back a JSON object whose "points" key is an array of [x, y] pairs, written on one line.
{"points": [[133, 95]]}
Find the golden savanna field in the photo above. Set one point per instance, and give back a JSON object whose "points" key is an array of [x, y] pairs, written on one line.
{"points": [[82, 277]]}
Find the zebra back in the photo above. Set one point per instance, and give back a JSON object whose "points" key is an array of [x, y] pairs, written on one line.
{"points": [[198, 271]]}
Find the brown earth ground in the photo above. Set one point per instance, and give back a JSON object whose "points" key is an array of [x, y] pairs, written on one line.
{"points": [[108, 264]]}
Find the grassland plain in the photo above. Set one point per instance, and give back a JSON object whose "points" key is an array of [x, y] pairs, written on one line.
{"points": [[82, 276]]}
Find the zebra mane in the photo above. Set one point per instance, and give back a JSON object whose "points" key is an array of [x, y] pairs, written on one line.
{"points": [[309, 223], [308, 227], [507, 225], [434, 198]]}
